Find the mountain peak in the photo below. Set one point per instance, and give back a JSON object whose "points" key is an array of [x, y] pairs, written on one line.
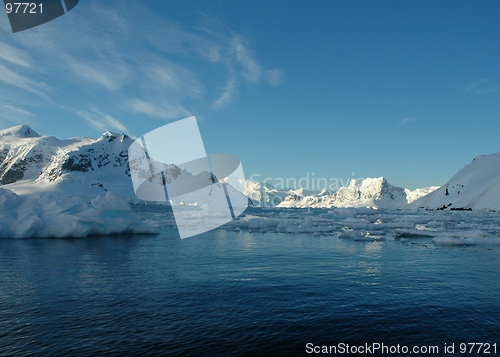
{"points": [[20, 131], [111, 136], [369, 192]]}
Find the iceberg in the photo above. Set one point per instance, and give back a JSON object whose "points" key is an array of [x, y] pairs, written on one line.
{"points": [[54, 215]]}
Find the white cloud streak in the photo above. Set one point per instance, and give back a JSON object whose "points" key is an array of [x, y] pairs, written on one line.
{"points": [[252, 71], [164, 111], [13, 55], [151, 68], [17, 110], [110, 76], [17, 80], [405, 121], [481, 87], [275, 77], [101, 121], [227, 94]]}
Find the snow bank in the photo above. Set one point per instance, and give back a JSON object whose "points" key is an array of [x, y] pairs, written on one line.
{"points": [[56, 215]]}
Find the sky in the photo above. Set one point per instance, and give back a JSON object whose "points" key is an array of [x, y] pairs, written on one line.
{"points": [[409, 90]]}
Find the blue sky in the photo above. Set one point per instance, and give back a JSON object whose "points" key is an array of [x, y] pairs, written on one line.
{"points": [[409, 90]]}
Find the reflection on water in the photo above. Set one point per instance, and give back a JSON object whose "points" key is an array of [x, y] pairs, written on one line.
{"points": [[240, 293]]}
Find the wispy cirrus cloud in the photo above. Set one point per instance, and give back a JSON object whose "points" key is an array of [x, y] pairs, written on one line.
{"points": [[481, 86], [215, 44], [405, 121], [15, 56], [227, 95], [252, 71], [275, 77], [165, 111], [156, 68], [171, 79], [16, 110], [20, 81], [13, 114], [111, 76], [101, 121]]}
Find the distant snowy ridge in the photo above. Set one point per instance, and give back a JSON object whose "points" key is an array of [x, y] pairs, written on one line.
{"points": [[370, 192], [264, 194], [476, 186], [412, 196]]}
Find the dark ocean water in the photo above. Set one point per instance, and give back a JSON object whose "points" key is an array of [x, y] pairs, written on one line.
{"points": [[227, 293]]}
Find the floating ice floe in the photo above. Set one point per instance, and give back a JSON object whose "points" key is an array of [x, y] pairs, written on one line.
{"points": [[361, 236], [414, 233], [463, 241], [447, 227], [56, 215], [449, 237]]}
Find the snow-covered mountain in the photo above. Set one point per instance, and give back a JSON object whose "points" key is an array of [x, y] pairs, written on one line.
{"points": [[370, 192], [412, 196], [21, 131], [30, 163], [297, 198], [80, 166], [476, 186], [264, 194]]}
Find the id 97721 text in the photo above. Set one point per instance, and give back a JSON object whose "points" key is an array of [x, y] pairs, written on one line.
{"points": [[23, 8]]}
